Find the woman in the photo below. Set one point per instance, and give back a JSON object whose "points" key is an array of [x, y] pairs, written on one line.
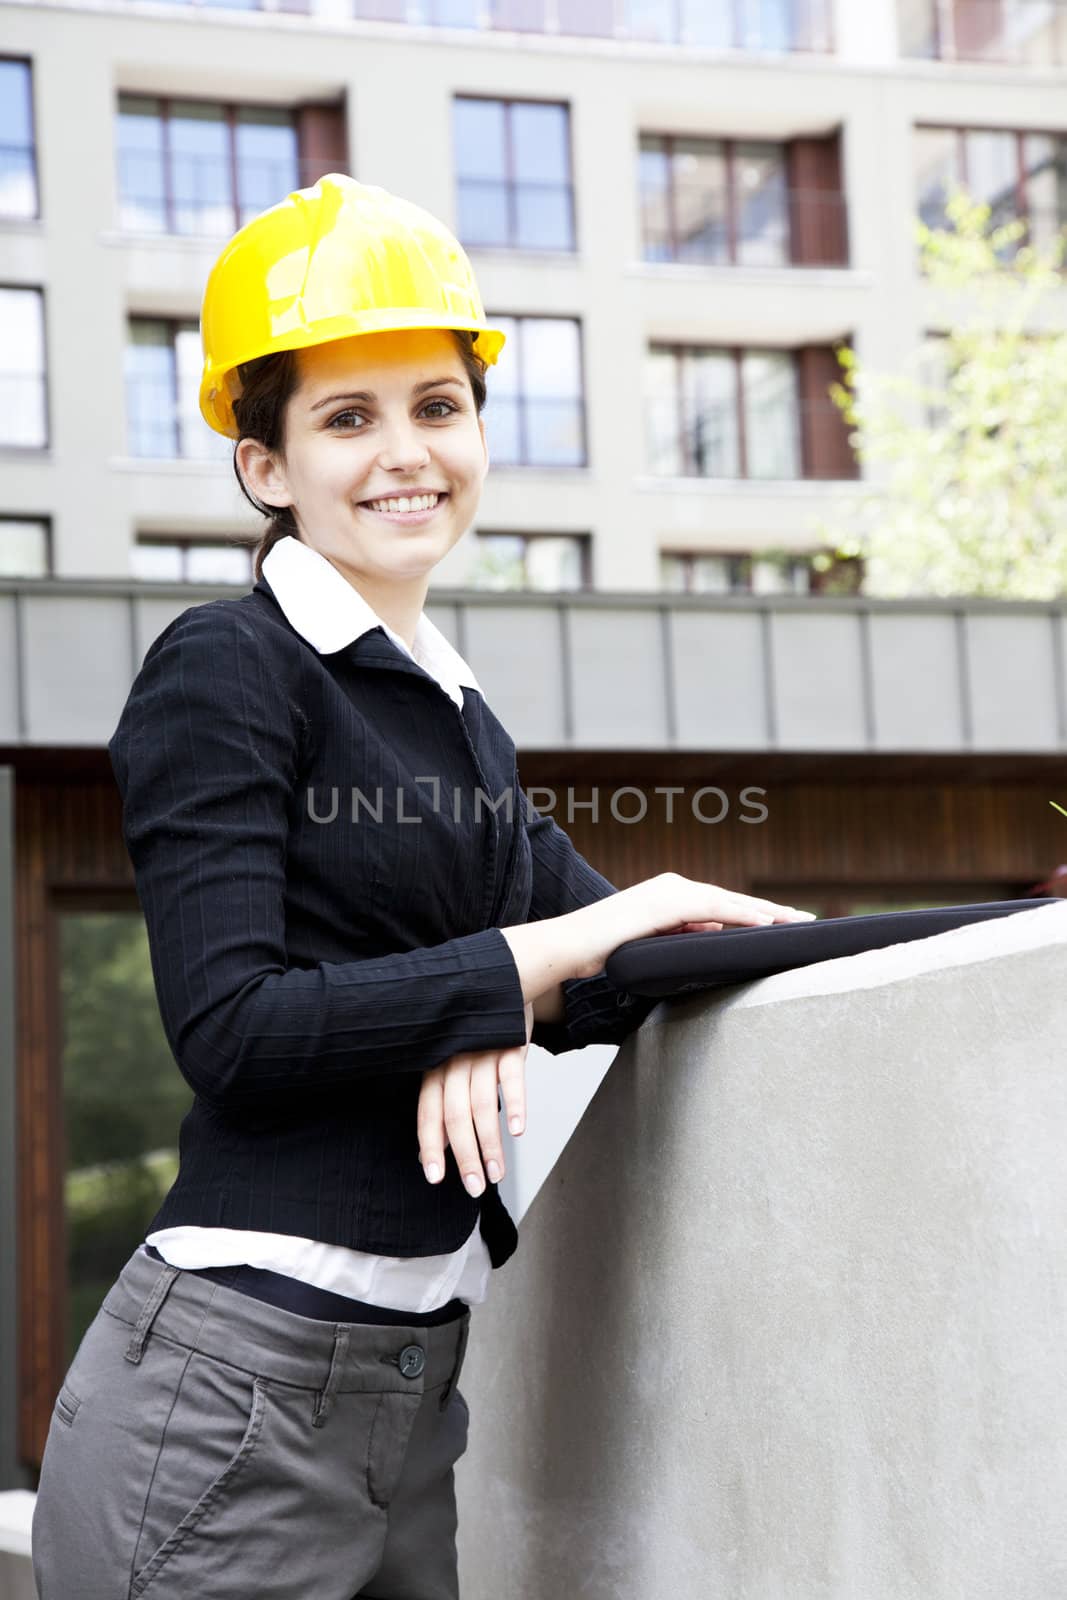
{"points": [[350, 951]]}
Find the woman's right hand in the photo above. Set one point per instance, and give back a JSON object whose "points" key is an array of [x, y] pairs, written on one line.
{"points": [[667, 903]]}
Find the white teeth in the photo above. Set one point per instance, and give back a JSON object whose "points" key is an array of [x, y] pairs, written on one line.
{"points": [[422, 502]]}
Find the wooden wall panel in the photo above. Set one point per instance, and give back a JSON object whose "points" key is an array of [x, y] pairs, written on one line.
{"points": [[980, 823]]}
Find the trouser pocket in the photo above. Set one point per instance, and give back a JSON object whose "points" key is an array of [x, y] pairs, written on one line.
{"points": [[205, 1454]]}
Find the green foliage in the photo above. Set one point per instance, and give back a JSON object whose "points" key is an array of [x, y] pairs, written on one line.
{"points": [[971, 495], [122, 1091], [123, 1101]]}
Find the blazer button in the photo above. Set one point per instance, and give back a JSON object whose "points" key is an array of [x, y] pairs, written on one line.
{"points": [[412, 1360]]}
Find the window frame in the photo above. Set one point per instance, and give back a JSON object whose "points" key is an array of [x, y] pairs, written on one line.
{"points": [[13, 446], [165, 118], [174, 326], [585, 553], [45, 520], [36, 215], [1022, 211], [737, 353], [511, 182], [185, 542], [523, 464]]}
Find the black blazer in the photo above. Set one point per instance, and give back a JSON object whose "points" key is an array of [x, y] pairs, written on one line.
{"points": [[312, 961]]}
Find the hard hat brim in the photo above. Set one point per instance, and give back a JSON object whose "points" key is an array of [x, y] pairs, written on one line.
{"points": [[220, 388]]}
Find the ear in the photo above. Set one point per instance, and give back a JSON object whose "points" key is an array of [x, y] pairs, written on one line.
{"points": [[263, 474], [485, 441]]}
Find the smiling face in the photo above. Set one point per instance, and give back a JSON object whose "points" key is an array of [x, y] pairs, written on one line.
{"points": [[377, 416]]}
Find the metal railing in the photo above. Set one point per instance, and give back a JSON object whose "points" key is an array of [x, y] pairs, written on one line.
{"points": [[773, 226]]}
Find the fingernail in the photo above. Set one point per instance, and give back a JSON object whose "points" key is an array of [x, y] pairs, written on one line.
{"points": [[494, 1172], [474, 1183], [515, 1124], [433, 1172]]}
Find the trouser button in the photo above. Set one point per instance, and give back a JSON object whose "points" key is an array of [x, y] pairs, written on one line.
{"points": [[412, 1360]]}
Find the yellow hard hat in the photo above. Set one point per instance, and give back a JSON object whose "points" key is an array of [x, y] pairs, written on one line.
{"points": [[337, 259]]}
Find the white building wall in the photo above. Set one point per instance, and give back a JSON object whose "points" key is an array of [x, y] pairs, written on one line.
{"points": [[398, 84]]}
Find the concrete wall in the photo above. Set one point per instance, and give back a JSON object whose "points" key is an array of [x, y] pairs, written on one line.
{"points": [[789, 1316]]}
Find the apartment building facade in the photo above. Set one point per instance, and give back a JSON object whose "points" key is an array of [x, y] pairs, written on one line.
{"points": [[678, 210]]}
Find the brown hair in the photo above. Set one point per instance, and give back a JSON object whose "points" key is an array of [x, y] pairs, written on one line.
{"points": [[267, 384]]}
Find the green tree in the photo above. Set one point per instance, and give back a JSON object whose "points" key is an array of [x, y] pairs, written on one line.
{"points": [[972, 433]]}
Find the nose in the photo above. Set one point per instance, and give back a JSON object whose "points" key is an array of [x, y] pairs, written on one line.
{"points": [[403, 448]]}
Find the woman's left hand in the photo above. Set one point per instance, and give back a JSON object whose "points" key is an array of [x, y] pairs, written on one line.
{"points": [[458, 1106]]}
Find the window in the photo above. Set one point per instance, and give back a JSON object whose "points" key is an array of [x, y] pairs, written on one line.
{"points": [[24, 547], [18, 159], [742, 202], [777, 25], [23, 420], [1023, 32], [204, 167], [163, 368], [534, 415], [531, 561], [755, 572], [1017, 174], [164, 560], [724, 413], [513, 165]]}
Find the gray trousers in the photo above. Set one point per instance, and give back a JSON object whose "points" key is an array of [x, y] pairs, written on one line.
{"points": [[207, 1446]]}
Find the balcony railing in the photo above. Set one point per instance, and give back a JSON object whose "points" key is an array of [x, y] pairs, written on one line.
{"points": [[772, 227], [775, 440], [194, 194], [749, 25], [1017, 32]]}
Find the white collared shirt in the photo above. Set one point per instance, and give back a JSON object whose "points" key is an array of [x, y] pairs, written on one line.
{"points": [[329, 613]]}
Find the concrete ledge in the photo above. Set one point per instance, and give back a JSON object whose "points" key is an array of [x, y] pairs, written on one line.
{"points": [[16, 1572], [788, 1319]]}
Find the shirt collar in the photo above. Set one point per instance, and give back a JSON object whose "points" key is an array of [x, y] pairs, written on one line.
{"points": [[329, 613]]}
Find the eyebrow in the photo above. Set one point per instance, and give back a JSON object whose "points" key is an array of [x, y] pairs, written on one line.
{"points": [[363, 394]]}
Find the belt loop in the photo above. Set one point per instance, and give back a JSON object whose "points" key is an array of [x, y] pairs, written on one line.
{"points": [[135, 1349], [341, 1335], [461, 1350]]}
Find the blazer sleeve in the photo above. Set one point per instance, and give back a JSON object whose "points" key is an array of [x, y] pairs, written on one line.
{"points": [[595, 1011], [206, 755]]}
